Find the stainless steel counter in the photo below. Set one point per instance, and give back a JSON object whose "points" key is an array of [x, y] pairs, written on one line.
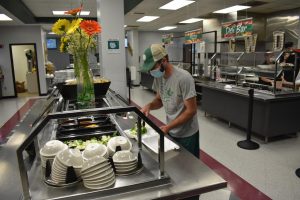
{"points": [[188, 175]]}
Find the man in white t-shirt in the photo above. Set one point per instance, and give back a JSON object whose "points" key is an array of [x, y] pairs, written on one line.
{"points": [[175, 91]]}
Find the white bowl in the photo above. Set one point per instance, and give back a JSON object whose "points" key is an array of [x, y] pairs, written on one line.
{"points": [[121, 141], [92, 162], [124, 157], [52, 147], [71, 157], [94, 149]]}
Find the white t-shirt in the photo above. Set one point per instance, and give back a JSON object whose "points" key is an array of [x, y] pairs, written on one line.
{"points": [[173, 91]]}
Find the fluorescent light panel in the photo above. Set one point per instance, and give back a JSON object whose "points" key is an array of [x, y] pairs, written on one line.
{"points": [[232, 9], [62, 12], [166, 28], [191, 20], [51, 33], [147, 18], [4, 17], [176, 4]]}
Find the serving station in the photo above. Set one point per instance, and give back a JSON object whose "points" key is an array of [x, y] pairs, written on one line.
{"points": [[161, 174]]}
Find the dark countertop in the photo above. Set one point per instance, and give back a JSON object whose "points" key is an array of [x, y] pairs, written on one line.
{"points": [[261, 95]]}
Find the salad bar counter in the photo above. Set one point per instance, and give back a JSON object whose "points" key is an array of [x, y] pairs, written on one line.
{"points": [[97, 153]]}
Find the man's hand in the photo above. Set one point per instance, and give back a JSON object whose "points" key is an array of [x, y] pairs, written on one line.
{"points": [[165, 129], [146, 110]]}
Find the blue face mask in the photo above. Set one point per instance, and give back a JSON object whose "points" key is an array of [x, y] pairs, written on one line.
{"points": [[156, 73]]}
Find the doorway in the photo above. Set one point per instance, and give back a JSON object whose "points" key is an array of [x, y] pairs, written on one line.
{"points": [[25, 69]]}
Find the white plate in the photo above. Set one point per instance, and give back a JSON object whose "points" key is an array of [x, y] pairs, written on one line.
{"points": [[92, 162], [100, 176], [98, 187], [96, 167], [104, 183], [100, 181], [125, 164], [124, 157], [95, 173], [126, 167]]}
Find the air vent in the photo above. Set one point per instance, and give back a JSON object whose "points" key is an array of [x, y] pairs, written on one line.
{"points": [[254, 3], [138, 13], [131, 26]]}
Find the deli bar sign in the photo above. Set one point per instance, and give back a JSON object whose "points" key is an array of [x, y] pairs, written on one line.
{"points": [[194, 36], [239, 28]]}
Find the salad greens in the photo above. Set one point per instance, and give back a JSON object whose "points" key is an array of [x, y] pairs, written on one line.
{"points": [[133, 130], [81, 144]]}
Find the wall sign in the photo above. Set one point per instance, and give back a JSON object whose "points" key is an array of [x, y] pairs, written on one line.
{"points": [[278, 40], [113, 46], [195, 36], [167, 39], [239, 28], [250, 43]]}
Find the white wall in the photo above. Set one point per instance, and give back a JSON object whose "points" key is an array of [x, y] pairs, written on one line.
{"points": [[20, 34], [20, 62], [113, 65], [146, 38]]}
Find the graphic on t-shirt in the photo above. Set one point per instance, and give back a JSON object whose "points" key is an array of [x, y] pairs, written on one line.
{"points": [[167, 94]]}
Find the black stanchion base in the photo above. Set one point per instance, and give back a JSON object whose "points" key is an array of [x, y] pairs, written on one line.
{"points": [[248, 144], [298, 172]]}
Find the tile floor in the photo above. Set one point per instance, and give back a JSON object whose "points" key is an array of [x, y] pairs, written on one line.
{"points": [[270, 169]]}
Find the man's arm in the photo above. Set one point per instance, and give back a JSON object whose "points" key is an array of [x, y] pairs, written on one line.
{"points": [[156, 103], [189, 111]]}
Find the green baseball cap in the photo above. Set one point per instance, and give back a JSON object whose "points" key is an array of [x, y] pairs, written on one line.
{"points": [[151, 55]]}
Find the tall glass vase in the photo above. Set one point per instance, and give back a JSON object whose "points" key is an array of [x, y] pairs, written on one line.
{"points": [[85, 83]]}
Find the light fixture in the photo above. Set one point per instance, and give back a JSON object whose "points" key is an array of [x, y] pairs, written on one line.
{"points": [[62, 12], [191, 20], [125, 25], [4, 17], [232, 9], [166, 28], [147, 18], [176, 4]]}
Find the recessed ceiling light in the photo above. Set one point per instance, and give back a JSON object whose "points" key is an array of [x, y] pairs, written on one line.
{"points": [[232, 9], [176, 4], [62, 12], [125, 25], [191, 20], [147, 18], [167, 28], [4, 17]]}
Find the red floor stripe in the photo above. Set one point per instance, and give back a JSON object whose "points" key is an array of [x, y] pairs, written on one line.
{"points": [[240, 187], [236, 184], [14, 120]]}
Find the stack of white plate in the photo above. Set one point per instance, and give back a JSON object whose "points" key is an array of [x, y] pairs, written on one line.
{"points": [[125, 162], [97, 173], [121, 141], [50, 150], [63, 160], [95, 149]]}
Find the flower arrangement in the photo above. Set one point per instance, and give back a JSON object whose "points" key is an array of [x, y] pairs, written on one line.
{"points": [[78, 37]]}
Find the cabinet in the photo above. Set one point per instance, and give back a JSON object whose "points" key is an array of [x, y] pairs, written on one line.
{"points": [[32, 84]]}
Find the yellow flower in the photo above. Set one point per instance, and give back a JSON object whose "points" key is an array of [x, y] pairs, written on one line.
{"points": [[61, 26], [73, 26]]}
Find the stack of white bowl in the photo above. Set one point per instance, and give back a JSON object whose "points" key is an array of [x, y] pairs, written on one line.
{"points": [[125, 162], [97, 173], [95, 149], [121, 141], [63, 160], [50, 150]]}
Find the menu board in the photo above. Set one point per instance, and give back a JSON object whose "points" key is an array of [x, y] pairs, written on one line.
{"points": [[239, 28], [167, 39], [194, 36]]}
